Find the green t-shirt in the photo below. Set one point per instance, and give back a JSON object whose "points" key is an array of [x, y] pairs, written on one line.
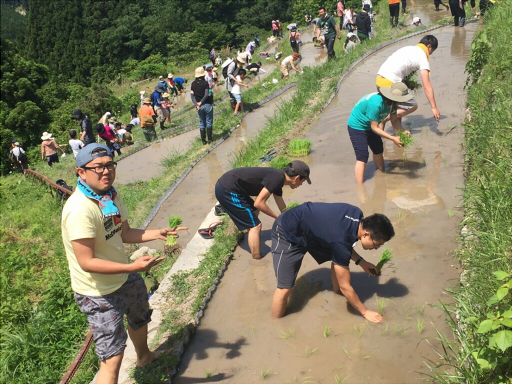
{"points": [[327, 25], [370, 108]]}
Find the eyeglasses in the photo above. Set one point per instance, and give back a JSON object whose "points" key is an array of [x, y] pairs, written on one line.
{"points": [[375, 246], [101, 168]]}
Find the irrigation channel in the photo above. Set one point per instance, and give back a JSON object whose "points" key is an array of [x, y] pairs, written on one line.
{"points": [[322, 339]]}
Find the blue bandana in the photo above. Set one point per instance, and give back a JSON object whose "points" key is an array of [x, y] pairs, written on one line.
{"points": [[105, 202]]}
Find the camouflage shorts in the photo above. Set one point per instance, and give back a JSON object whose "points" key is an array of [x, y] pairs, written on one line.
{"points": [[105, 315]]}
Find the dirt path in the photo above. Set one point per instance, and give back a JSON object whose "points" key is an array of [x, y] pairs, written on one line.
{"points": [[238, 341]]}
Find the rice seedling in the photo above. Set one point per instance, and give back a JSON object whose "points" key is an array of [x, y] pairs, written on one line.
{"points": [[347, 353], [451, 213], [207, 374], [299, 147], [174, 221], [310, 352], [287, 335], [339, 380], [327, 331], [384, 258], [291, 205], [381, 304], [420, 326], [359, 329], [280, 162], [412, 81], [406, 141], [421, 309], [253, 330], [367, 357], [385, 330], [399, 215], [400, 330], [264, 374], [408, 312]]}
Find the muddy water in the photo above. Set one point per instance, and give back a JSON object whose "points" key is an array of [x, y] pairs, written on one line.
{"points": [[238, 339]]}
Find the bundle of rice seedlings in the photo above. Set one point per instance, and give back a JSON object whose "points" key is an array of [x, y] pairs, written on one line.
{"points": [[412, 81], [299, 147], [384, 258], [174, 221], [406, 141], [291, 205], [280, 162]]}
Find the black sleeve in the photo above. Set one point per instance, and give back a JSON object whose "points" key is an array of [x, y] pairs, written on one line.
{"points": [[206, 93], [274, 183]]}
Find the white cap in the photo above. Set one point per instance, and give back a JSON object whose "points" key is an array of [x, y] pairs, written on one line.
{"points": [[416, 20], [350, 34], [169, 75]]}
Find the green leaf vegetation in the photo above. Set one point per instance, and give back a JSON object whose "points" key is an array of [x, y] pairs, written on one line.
{"points": [[481, 309], [174, 221]]}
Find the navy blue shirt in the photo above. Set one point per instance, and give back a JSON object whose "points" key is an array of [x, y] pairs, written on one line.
{"points": [[327, 225]]}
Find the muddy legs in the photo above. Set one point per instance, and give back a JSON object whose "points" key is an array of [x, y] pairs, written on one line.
{"points": [[254, 241], [280, 301]]}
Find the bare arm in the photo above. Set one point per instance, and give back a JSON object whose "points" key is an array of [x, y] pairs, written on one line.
{"points": [[429, 92], [343, 278], [134, 235], [84, 252], [280, 202], [261, 203], [378, 128]]}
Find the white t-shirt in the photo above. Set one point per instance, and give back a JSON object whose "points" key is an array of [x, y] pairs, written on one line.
{"points": [[76, 145], [404, 62], [236, 88], [287, 60]]}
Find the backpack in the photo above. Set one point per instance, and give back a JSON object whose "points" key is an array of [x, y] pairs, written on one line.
{"points": [[61, 195], [225, 66]]}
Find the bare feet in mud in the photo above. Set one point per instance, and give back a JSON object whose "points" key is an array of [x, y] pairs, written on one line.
{"points": [[147, 359]]}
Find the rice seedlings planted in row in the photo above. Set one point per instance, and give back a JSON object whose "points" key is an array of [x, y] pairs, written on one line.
{"points": [[347, 353], [384, 258], [310, 352], [339, 380], [299, 147], [327, 331], [420, 325], [287, 335], [400, 330], [385, 329], [381, 304], [359, 329], [264, 374], [291, 205], [174, 221], [207, 374]]}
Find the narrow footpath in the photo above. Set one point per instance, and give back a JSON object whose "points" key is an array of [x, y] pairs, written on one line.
{"points": [[239, 342]]}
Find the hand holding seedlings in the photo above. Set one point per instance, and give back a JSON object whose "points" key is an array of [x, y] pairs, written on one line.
{"points": [[384, 258], [171, 233]]}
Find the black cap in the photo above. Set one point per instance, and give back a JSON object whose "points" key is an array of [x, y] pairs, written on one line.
{"points": [[297, 167], [366, 7], [77, 114]]}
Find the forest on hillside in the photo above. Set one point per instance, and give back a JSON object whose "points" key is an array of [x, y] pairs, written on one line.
{"points": [[61, 54]]}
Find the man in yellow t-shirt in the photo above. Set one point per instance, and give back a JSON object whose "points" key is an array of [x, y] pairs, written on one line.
{"points": [[94, 228]]}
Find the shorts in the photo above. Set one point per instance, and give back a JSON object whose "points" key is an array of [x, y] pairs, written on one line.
{"points": [[162, 113], [406, 105], [287, 256], [52, 159], [239, 207], [105, 315], [361, 140], [284, 70], [238, 97]]}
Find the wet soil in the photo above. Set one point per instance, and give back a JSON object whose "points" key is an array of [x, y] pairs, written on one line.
{"points": [[238, 340]]}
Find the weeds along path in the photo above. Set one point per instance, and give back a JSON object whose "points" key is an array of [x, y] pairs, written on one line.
{"points": [[322, 340], [146, 164]]}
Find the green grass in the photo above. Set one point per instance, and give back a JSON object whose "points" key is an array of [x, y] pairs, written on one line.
{"points": [[487, 245], [280, 162]]}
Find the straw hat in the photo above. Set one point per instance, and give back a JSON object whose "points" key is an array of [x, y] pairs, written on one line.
{"points": [[146, 100], [397, 92], [46, 136], [169, 75], [242, 57], [165, 94], [199, 72]]}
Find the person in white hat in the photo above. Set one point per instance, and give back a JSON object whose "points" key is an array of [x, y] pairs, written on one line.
{"points": [[170, 84], [350, 42], [416, 21], [232, 71], [49, 149], [366, 127], [203, 101]]}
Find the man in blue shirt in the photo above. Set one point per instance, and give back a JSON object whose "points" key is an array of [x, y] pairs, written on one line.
{"points": [[178, 81], [328, 231]]}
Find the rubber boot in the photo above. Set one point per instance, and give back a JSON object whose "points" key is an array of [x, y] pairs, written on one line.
{"points": [[162, 127], [391, 21], [203, 135], [210, 134], [396, 21], [462, 21]]}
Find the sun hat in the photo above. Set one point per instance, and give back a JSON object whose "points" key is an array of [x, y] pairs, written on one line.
{"points": [[397, 92], [46, 136], [199, 72], [16, 144], [146, 100], [169, 75], [160, 77], [159, 88], [416, 20], [165, 94], [350, 35], [85, 155], [297, 167], [242, 57], [366, 7]]}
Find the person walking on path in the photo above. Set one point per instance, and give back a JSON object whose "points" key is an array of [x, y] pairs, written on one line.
{"points": [[76, 145], [328, 232], [203, 101], [231, 73], [235, 188], [49, 149], [87, 135], [289, 61], [394, 12], [294, 38], [147, 120], [20, 157], [107, 286], [366, 125], [364, 23], [402, 64], [458, 12], [328, 27], [213, 56], [340, 10], [237, 91]]}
